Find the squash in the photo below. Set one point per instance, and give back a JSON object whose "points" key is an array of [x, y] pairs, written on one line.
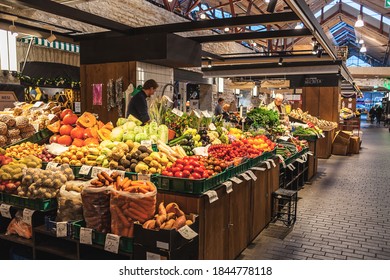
{"points": [[54, 127], [87, 120], [91, 132], [90, 141], [100, 124], [109, 126], [104, 134]]}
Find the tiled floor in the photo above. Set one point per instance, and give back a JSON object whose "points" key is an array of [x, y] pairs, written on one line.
{"points": [[343, 214]]}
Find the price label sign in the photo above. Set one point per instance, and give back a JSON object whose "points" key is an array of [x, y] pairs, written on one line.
{"points": [[37, 104], [187, 232], [272, 162], [147, 143], [77, 107], [236, 180], [252, 175], [51, 116], [152, 256], [27, 216], [51, 165], [85, 169], [5, 211], [96, 170], [268, 164], [177, 112], [212, 126], [213, 196], [112, 243], [229, 186], [259, 168], [143, 177], [197, 113], [86, 235], [284, 138], [62, 229], [121, 173], [245, 176], [206, 114]]}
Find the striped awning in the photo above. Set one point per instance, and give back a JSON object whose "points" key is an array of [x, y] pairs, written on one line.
{"points": [[55, 45]]}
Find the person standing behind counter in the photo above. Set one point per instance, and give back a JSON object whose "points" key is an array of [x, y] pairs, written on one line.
{"points": [[218, 109], [138, 106], [278, 106]]}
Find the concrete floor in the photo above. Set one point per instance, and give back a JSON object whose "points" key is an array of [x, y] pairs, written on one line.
{"points": [[343, 214]]}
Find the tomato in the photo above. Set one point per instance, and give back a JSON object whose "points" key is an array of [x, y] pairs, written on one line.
{"points": [[179, 174], [196, 176], [165, 173], [206, 174], [191, 177], [189, 168], [169, 169], [196, 164], [186, 173], [179, 161], [180, 166], [170, 174], [175, 169], [199, 170]]}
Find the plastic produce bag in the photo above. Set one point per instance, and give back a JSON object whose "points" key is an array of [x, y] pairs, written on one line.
{"points": [[96, 208], [70, 205], [18, 227], [126, 208]]}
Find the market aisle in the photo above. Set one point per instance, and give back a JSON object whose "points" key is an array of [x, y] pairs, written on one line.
{"points": [[344, 214]]}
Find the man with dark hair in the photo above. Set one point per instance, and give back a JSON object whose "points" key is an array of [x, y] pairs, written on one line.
{"points": [[218, 109], [138, 106]]}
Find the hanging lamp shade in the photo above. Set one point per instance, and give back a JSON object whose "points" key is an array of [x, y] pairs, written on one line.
{"points": [[359, 22]]}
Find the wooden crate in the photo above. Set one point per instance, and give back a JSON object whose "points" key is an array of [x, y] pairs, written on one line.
{"points": [[324, 149]]}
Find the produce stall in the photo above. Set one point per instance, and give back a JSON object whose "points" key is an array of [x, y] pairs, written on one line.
{"points": [[100, 189]]}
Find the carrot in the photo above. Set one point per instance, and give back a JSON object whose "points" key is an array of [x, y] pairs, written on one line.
{"points": [[107, 177], [152, 187], [126, 183], [121, 217], [101, 177], [131, 189], [118, 181], [143, 190], [180, 222], [138, 215]]}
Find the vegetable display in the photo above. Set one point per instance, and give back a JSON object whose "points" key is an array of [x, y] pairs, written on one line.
{"points": [[262, 117], [306, 117]]}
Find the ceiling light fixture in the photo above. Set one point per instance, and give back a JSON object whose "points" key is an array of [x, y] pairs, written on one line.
{"points": [[227, 29], [12, 29], [170, 1], [202, 16], [315, 49], [299, 25], [280, 61], [271, 6], [361, 41], [359, 22], [209, 65], [363, 49], [319, 53], [266, 1], [52, 37]]}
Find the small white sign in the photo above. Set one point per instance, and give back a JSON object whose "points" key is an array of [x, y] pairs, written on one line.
{"points": [[268, 164], [51, 116], [152, 256], [51, 165], [112, 243], [252, 175], [85, 235], [36, 126], [177, 112], [213, 196], [245, 176], [162, 245], [284, 138], [259, 168], [229, 186], [146, 143], [212, 127], [197, 113], [27, 216], [61, 230], [272, 162], [143, 177], [5, 211], [236, 180], [85, 169], [187, 232], [37, 104], [77, 107], [206, 114]]}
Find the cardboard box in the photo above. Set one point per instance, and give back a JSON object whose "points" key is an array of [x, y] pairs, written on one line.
{"points": [[189, 251], [339, 149], [342, 137], [163, 239], [354, 145]]}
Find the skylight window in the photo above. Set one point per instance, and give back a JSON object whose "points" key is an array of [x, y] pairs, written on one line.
{"points": [[354, 61]]}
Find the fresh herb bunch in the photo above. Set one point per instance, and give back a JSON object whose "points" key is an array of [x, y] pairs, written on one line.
{"points": [[262, 118]]}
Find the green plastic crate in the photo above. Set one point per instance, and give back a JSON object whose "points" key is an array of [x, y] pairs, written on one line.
{"points": [[99, 238], [185, 185], [1, 196], [310, 138], [294, 157], [266, 155], [134, 177], [241, 168], [39, 204], [40, 137]]}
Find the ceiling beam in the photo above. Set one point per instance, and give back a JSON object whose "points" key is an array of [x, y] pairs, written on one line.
{"points": [[216, 23], [191, 6], [75, 14], [253, 35]]}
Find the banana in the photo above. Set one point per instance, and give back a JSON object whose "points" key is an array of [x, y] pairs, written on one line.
{"points": [[94, 151]]}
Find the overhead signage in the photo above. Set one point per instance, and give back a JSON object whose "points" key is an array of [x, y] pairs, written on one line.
{"points": [[387, 3]]}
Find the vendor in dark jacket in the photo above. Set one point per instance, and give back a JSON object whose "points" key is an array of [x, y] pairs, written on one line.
{"points": [[138, 106]]}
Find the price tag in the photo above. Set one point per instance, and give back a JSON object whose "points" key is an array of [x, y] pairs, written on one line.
{"points": [[86, 235], [212, 126], [27, 216], [245, 176], [187, 232], [258, 168], [51, 116], [37, 104], [272, 162], [304, 157], [51, 165], [112, 243], [36, 126], [152, 256], [197, 114], [7, 109], [177, 112], [206, 114], [252, 175], [236, 180], [85, 169], [213, 196], [96, 170], [62, 229], [282, 161], [310, 153], [147, 143], [268, 164], [284, 138], [300, 160], [121, 173], [229, 186], [5, 211], [168, 98], [143, 177], [77, 107]]}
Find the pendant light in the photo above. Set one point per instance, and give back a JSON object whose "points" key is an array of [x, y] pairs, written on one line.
{"points": [[361, 41], [363, 49], [280, 61], [359, 22], [298, 26], [52, 37], [12, 29]]}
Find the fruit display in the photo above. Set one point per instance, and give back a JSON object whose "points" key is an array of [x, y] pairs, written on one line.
{"points": [[38, 183], [70, 206], [4, 160], [195, 167], [46, 156], [131, 201], [235, 134], [346, 114], [24, 149], [77, 156], [169, 217], [300, 130], [14, 129], [306, 117], [79, 131]]}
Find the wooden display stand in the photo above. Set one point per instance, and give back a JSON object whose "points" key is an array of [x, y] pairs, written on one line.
{"points": [[313, 160], [324, 149], [350, 124]]}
